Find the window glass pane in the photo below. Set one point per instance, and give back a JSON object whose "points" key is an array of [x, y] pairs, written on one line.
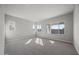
{"points": [[33, 26], [38, 26], [54, 29], [61, 30], [61, 26], [55, 26]]}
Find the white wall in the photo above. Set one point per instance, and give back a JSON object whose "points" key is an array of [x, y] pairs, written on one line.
{"points": [[2, 29], [22, 27], [68, 31], [76, 27]]}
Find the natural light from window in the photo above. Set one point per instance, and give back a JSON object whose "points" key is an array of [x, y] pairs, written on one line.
{"points": [[39, 41], [57, 26], [29, 41], [52, 42]]}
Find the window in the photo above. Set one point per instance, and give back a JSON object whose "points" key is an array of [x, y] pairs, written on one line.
{"points": [[54, 29], [33, 26], [37, 28], [61, 28], [57, 28]]}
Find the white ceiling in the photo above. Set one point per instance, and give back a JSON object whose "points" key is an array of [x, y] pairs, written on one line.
{"points": [[37, 12]]}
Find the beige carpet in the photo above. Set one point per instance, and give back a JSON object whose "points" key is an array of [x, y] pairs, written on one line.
{"points": [[37, 46]]}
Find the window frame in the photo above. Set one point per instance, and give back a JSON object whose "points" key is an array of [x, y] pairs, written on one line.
{"points": [[58, 28]]}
